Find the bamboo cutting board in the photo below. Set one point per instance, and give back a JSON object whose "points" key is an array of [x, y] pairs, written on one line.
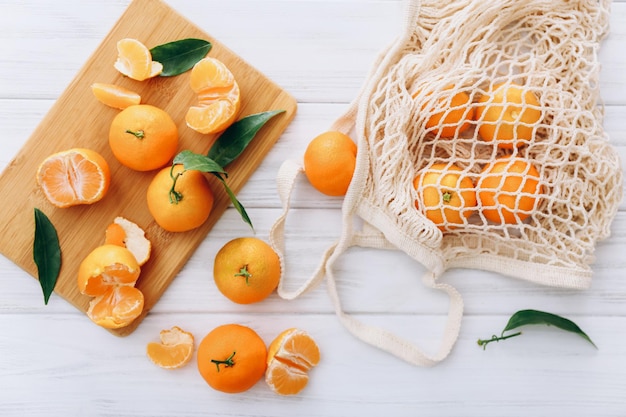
{"points": [[77, 119]]}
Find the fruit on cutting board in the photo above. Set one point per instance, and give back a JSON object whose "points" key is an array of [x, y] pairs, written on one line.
{"points": [[123, 232], [232, 358], [246, 270], [179, 200], [290, 357], [219, 97], [73, 177], [329, 162], [115, 96], [134, 60], [174, 350], [143, 137], [109, 274]]}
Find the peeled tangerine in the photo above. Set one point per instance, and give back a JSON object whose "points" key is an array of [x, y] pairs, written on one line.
{"points": [[108, 274], [218, 97], [290, 357], [175, 349]]}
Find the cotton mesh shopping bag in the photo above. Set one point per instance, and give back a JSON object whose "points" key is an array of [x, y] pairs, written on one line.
{"points": [[501, 95]]}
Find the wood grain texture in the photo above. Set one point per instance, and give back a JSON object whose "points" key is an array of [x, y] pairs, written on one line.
{"points": [[77, 119], [57, 363]]}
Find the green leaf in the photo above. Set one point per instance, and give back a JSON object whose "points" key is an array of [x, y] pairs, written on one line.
{"points": [[197, 162], [531, 317], [46, 253], [238, 206], [180, 56], [526, 317], [234, 140]]}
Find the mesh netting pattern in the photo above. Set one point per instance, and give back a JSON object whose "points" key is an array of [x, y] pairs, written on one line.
{"points": [[430, 108]]}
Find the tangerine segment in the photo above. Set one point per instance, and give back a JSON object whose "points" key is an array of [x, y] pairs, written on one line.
{"points": [[75, 176], [175, 349], [451, 115], [219, 97], [329, 163], [117, 307], [232, 358], [105, 267], [143, 137], [447, 195], [509, 190], [246, 270], [507, 115], [183, 205], [123, 232], [291, 355], [115, 96], [135, 60]]}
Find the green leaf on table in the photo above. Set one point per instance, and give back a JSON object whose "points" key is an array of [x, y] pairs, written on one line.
{"points": [[180, 56], [46, 253], [532, 317], [234, 140]]}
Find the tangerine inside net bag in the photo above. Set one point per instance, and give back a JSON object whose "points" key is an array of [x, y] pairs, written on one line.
{"points": [[549, 48]]}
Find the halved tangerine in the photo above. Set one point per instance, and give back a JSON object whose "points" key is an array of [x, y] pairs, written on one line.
{"points": [[75, 176]]}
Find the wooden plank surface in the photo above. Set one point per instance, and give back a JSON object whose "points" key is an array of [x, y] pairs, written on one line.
{"points": [[77, 119]]}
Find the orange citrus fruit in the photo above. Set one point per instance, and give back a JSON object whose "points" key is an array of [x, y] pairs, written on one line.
{"points": [[75, 176], [134, 60], [446, 194], [123, 232], [507, 114], [231, 358], [451, 115], [175, 349], [143, 137], [246, 270], [219, 97], [290, 357], [109, 273], [181, 205], [508, 190], [329, 162], [114, 95]]}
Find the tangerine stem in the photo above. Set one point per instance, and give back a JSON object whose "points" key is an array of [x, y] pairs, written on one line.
{"points": [[495, 338], [175, 196], [243, 272], [447, 196], [140, 134], [227, 363]]}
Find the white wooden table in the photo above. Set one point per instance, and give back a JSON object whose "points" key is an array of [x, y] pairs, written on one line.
{"points": [[54, 361]]}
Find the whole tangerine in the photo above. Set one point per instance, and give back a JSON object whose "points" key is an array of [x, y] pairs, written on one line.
{"points": [[246, 270], [143, 137], [451, 114], [178, 199], [507, 115], [446, 194], [329, 162], [232, 358], [509, 190]]}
